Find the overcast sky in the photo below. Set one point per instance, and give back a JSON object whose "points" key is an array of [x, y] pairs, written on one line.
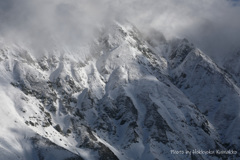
{"points": [[213, 25]]}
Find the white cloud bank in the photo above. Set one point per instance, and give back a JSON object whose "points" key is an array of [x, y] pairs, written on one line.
{"points": [[213, 25]]}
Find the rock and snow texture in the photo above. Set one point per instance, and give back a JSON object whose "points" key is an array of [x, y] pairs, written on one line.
{"points": [[131, 98]]}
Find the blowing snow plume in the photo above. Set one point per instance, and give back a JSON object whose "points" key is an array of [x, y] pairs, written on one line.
{"points": [[212, 25]]}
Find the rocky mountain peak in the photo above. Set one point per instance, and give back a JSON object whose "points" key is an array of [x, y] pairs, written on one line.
{"points": [[124, 100]]}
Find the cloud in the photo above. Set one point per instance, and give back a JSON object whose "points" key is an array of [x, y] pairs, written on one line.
{"points": [[44, 24], [212, 25]]}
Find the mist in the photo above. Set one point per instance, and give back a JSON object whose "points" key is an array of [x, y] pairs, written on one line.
{"points": [[212, 25]]}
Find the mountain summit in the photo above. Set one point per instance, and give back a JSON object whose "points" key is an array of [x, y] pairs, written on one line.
{"points": [[125, 96]]}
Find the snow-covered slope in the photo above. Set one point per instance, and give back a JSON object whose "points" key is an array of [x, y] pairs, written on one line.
{"points": [[123, 97], [210, 88]]}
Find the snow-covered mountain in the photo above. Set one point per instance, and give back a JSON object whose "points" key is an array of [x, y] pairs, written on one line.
{"points": [[124, 96]]}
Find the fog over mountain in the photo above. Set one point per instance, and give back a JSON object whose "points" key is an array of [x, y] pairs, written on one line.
{"points": [[212, 25], [119, 80]]}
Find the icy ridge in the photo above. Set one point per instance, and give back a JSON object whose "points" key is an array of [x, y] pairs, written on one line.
{"points": [[131, 98]]}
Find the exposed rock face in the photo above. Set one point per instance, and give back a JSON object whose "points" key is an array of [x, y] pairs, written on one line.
{"points": [[130, 99]]}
